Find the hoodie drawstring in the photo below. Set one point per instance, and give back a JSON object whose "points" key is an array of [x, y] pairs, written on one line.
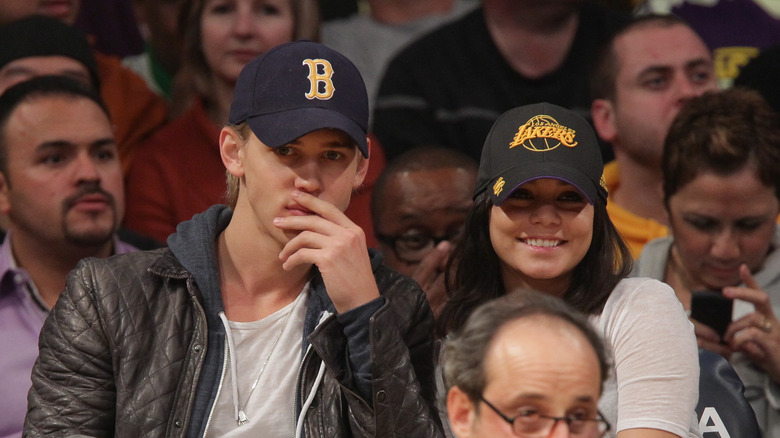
{"points": [[309, 400], [240, 415]]}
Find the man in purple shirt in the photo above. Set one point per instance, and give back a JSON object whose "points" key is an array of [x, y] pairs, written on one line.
{"points": [[61, 189]]}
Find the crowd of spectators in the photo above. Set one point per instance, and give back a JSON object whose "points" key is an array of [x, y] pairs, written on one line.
{"points": [[478, 148]]}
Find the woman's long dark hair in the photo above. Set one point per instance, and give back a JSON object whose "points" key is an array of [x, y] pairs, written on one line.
{"points": [[474, 271]]}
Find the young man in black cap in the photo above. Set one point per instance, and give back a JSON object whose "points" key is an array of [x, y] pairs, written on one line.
{"points": [[268, 317]]}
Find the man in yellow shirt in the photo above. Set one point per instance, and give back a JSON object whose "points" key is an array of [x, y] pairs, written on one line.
{"points": [[647, 71]]}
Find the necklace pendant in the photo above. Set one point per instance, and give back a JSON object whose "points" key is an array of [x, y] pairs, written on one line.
{"points": [[242, 418]]}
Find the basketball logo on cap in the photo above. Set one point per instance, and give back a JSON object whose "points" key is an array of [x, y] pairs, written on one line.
{"points": [[543, 133], [321, 84]]}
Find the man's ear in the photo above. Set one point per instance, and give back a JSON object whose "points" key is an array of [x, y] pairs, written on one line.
{"points": [[603, 113], [230, 145], [461, 412], [5, 196], [362, 167]]}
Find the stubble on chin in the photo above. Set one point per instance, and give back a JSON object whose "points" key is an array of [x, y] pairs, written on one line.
{"points": [[99, 227], [99, 232]]}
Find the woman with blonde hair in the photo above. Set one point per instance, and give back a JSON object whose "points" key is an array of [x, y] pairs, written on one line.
{"points": [[178, 172]]}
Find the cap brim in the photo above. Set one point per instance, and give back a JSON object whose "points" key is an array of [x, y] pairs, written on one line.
{"points": [[281, 128], [519, 175]]}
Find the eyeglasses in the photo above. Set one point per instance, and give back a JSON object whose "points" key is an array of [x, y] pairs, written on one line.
{"points": [[414, 246], [535, 425]]}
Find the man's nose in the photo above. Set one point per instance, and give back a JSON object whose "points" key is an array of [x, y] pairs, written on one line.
{"points": [[86, 168]]}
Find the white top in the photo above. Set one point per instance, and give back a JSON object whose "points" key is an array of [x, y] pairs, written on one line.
{"points": [[651, 342], [270, 408]]}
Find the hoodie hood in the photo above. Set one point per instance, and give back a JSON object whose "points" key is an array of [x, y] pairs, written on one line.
{"points": [[194, 245]]}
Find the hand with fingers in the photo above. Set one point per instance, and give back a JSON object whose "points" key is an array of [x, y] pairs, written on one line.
{"points": [[430, 275], [328, 239], [708, 339], [756, 334]]}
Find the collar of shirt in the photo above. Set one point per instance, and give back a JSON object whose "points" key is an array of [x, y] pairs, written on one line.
{"points": [[16, 280]]}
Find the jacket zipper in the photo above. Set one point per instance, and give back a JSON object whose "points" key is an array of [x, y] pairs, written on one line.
{"points": [[298, 388], [219, 390], [325, 315]]}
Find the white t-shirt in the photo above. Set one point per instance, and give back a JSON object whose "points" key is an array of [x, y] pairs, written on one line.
{"points": [[270, 407], [651, 342]]}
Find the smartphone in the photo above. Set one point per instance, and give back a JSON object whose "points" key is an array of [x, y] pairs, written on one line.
{"points": [[712, 309]]}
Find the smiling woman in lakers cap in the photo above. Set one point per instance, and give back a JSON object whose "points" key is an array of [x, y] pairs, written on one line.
{"points": [[539, 221]]}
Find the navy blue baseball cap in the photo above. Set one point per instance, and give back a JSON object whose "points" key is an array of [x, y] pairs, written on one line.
{"points": [[297, 88], [536, 141]]}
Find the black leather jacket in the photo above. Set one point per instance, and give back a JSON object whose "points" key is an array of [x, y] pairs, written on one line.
{"points": [[125, 348]]}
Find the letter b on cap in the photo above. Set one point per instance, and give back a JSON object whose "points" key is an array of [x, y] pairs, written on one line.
{"points": [[321, 84]]}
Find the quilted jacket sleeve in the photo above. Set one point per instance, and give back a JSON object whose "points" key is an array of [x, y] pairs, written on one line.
{"points": [[73, 390], [402, 366], [402, 345]]}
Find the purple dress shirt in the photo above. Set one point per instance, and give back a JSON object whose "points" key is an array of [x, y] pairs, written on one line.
{"points": [[22, 313]]}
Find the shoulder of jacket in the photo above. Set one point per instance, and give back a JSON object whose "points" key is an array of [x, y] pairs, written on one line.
{"points": [[159, 262]]}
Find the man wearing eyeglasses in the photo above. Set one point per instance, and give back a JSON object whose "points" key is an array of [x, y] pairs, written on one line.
{"points": [[525, 365], [418, 207]]}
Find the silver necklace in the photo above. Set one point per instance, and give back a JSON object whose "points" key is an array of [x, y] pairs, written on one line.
{"points": [[241, 416]]}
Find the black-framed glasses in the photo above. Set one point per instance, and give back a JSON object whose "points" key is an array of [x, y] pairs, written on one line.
{"points": [[413, 247], [535, 425]]}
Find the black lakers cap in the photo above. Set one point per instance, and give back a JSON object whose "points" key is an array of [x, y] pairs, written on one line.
{"points": [[540, 141], [297, 88]]}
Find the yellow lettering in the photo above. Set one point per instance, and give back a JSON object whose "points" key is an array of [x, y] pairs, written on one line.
{"points": [[320, 73], [528, 131], [519, 137], [567, 138]]}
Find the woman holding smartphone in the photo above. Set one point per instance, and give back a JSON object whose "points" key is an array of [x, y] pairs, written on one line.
{"points": [[539, 221], [721, 182]]}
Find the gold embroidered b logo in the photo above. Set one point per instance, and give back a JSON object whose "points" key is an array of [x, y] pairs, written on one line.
{"points": [[320, 73]]}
